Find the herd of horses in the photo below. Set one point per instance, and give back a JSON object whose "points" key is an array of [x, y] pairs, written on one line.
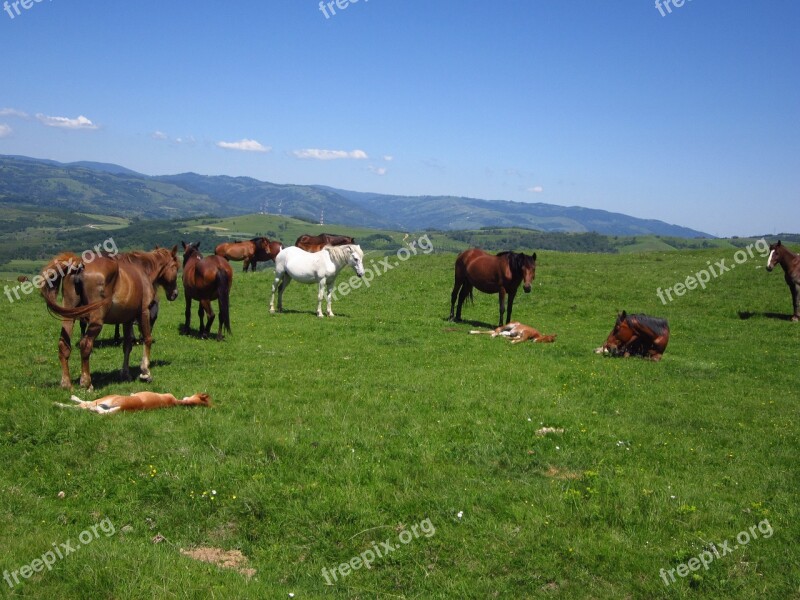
{"points": [[122, 290]]}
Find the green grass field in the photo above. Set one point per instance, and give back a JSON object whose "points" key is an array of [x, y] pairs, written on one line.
{"points": [[388, 424]]}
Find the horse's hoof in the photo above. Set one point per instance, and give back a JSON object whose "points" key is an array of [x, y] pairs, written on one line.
{"points": [[147, 378], [795, 319]]}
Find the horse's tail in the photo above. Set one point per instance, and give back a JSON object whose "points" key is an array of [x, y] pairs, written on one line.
{"points": [[223, 293], [74, 313], [54, 272]]}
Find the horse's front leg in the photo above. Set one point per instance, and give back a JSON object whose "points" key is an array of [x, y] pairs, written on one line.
{"points": [[511, 295], [795, 299], [246, 264], [86, 346], [329, 295], [205, 305], [320, 296], [64, 350], [188, 313], [502, 307], [127, 345], [144, 327]]}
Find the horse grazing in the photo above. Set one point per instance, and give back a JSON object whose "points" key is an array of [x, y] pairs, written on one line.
{"points": [[637, 335], [491, 274], [315, 243], [517, 332], [252, 252], [108, 405], [204, 280], [120, 290], [780, 254], [314, 267]]}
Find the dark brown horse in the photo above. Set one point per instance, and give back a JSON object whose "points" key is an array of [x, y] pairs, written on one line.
{"points": [[781, 255], [252, 252], [637, 335], [315, 243], [108, 290], [491, 274], [204, 280]]}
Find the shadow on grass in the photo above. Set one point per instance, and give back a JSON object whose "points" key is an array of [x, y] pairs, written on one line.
{"points": [[746, 314]]}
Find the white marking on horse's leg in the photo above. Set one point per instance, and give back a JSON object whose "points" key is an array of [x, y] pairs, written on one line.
{"points": [[320, 295], [329, 295], [75, 399]]}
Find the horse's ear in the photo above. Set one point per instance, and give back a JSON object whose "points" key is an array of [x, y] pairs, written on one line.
{"points": [[157, 247], [533, 256], [623, 314], [779, 243], [183, 244], [175, 250]]}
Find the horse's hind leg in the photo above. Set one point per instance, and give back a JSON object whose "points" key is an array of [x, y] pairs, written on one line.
{"points": [[466, 289], [210, 314], [188, 313], [453, 297], [64, 350], [793, 287], [127, 345], [502, 302], [86, 346], [277, 285], [146, 331]]}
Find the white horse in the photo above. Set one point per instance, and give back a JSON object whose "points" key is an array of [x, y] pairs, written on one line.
{"points": [[314, 267]]}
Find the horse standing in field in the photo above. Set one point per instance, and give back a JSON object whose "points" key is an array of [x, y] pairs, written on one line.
{"points": [[204, 280], [781, 255], [315, 243], [314, 267], [637, 335], [259, 249], [491, 274], [108, 290]]}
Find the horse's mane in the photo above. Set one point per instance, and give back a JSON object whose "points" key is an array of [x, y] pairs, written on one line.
{"points": [[658, 326], [516, 260], [257, 240], [339, 253]]}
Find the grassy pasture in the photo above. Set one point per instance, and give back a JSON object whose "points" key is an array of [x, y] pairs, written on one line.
{"points": [[329, 435]]}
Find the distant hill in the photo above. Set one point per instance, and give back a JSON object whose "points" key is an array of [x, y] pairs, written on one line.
{"points": [[114, 190]]}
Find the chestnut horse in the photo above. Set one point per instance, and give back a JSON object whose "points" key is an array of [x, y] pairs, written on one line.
{"points": [[637, 335], [781, 255], [491, 274], [315, 243], [259, 249], [204, 280], [108, 290], [108, 405]]}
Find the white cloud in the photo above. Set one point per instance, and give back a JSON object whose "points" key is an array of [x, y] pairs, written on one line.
{"points": [[159, 135], [388, 158], [241, 145], [65, 123], [537, 189], [379, 170], [5, 130], [317, 154], [13, 112]]}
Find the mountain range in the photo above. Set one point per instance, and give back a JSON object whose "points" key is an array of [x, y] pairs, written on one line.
{"points": [[109, 189]]}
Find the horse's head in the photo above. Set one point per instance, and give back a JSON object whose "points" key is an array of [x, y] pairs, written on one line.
{"points": [[190, 250], [356, 259], [524, 267], [200, 399], [619, 336], [774, 255], [168, 275]]}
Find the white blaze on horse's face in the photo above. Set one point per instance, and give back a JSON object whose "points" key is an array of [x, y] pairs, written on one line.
{"points": [[770, 266]]}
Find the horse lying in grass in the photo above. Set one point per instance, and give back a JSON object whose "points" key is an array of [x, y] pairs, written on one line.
{"points": [[138, 401], [637, 335], [517, 332]]}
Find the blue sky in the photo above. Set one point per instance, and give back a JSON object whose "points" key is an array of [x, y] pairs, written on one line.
{"points": [[692, 117]]}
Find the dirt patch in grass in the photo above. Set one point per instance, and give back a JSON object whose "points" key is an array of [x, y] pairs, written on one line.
{"points": [[225, 559]]}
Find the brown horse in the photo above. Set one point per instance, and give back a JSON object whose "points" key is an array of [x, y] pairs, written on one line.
{"points": [[204, 280], [108, 405], [517, 332], [315, 243], [108, 290], [637, 335], [252, 252], [781, 255], [491, 274]]}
